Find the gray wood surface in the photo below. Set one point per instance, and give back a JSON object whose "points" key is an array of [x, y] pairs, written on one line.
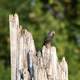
{"points": [[25, 65]]}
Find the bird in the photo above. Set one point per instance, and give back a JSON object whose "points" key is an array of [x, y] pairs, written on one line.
{"points": [[48, 39]]}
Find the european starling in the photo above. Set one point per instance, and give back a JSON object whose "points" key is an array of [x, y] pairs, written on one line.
{"points": [[48, 39]]}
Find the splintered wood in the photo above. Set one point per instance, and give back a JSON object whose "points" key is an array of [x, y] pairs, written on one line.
{"points": [[27, 63]]}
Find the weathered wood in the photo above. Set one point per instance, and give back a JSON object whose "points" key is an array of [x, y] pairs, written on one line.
{"points": [[50, 62], [14, 25], [64, 69], [25, 65]]}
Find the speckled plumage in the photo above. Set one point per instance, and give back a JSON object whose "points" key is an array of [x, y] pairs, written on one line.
{"points": [[49, 38]]}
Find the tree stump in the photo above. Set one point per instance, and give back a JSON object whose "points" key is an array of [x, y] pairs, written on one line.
{"points": [[25, 65]]}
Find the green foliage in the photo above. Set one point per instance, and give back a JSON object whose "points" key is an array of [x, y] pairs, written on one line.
{"points": [[39, 17]]}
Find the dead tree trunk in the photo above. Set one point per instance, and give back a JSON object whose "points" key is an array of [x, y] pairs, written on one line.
{"points": [[25, 65]]}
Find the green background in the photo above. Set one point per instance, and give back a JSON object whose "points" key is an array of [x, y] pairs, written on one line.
{"points": [[40, 17]]}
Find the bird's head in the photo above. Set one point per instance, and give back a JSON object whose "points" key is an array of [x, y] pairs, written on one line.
{"points": [[51, 33]]}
